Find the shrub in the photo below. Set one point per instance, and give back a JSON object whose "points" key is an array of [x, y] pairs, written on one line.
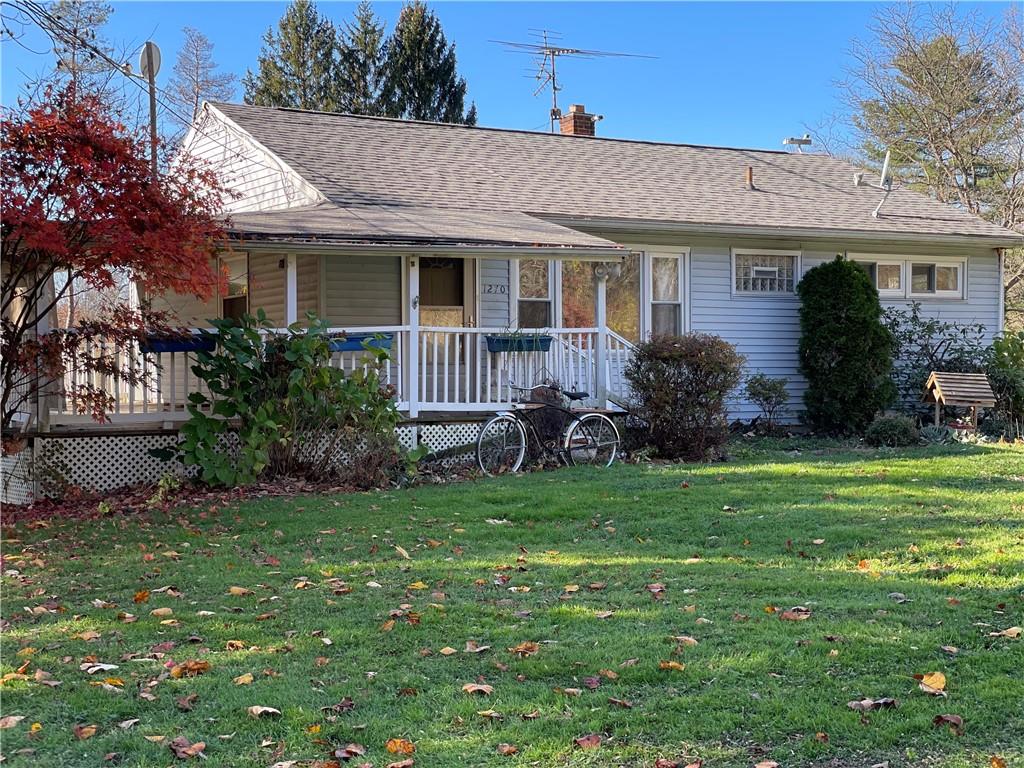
{"points": [[892, 432], [844, 348], [924, 344], [294, 414], [1005, 369], [768, 394], [936, 434], [680, 385]]}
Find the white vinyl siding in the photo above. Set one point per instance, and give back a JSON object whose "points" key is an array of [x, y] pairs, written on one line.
{"points": [[261, 181], [495, 293], [363, 290]]}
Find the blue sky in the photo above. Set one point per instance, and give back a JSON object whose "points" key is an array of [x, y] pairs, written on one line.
{"points": [[739, 74]]}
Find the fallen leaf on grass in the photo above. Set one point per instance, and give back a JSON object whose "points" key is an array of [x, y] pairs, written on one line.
{"points": [[447, 651], [481, 688], [933, 683], [796, 613], [407, 763], [183, 748], [88, 635], [1013, 633], [524, 649], [83, 732], [590, 741], [161, 612], [766, 764], [257, 712], [141, 596], [184, 703], [402, 552], [507, 749], [92, 668], [245, 679], [126, 724], [620, 703], [867, 705], [490, 714], [676, 665], [400, 746], [473, 647], [349, 751], [955, 723], [239, 591], [997, 761], [190, 668], [11, 720]]}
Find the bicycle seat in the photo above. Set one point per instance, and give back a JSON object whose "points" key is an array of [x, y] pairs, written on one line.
{"points": [[577, 395]]}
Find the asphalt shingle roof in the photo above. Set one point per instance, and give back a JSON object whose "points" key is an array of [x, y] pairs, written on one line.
{"points": [[328, 222], [360, 161]]}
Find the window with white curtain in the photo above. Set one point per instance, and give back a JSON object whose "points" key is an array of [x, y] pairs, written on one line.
{"points": [[666, 305], [534, 304]]}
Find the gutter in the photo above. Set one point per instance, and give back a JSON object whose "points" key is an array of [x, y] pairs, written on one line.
{"points": [[797, 233], [581, 253]]}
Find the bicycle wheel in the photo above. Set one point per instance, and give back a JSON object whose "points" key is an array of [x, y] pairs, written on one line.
{"points": [[501, 446], [593, 440]]}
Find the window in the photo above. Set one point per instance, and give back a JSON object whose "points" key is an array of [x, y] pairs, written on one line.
{"points": [[666, 311], [886, 276], [768, 272], [534, 294], [235, 301], [936, 279]]}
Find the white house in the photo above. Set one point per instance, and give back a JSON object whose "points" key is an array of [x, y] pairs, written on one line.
{"points": [[444, 238]]}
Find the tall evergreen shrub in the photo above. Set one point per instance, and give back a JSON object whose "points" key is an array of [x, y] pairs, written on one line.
{"points": [[845, 349]]}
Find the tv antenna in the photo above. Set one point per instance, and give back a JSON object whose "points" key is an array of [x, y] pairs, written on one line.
{"points": [[547, 50]]}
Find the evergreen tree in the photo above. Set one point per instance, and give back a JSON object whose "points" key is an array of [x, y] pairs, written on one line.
{"points": [[196, 79], [298, 66], [845, 350], [422, 82], [361, 52]]}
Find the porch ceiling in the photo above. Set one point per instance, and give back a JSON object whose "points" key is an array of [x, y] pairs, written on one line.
{"points": [[410, 227]]}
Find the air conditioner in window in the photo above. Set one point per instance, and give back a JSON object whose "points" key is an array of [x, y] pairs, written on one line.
{"points": [[764, 273]]}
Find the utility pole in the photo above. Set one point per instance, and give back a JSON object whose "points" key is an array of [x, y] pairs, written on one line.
{"points": [[149, 63]]}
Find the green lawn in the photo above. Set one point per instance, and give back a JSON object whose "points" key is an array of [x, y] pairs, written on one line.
{"points": [[354, 597]]}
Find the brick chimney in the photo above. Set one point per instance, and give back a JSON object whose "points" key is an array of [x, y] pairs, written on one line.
{"points": [[578, 122]]}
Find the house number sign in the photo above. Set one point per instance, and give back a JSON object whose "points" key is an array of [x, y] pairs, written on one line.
{"points": [[497, 288]]}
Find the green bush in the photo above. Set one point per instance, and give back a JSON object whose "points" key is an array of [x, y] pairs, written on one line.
{"points": [[1005, 369], [769, 395], [936, 434], [923, 344], [892, 432], [294, 414], [844, 348], [680, 385]]}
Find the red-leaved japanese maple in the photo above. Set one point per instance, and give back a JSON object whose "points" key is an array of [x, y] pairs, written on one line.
{"points": [[82, 211]]}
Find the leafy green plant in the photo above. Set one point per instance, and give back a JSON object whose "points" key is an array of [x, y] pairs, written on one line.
{"points": [[845, 350], [922, 344], [680, 385], [293, 414], [768, 394], [892, 432], [1005, 370], [936, 434]]}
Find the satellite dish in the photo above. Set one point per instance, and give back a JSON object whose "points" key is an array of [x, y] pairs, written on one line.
{"points": [[149, 50]]}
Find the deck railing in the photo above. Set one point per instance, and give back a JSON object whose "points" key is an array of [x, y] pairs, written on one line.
{"points": [[454, 369]]}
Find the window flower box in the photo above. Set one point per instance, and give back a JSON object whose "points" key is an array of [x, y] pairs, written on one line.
{"points": [[353, 342], [178, 343], [517, 343]]}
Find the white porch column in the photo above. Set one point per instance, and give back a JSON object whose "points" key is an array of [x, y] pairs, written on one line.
{"points": [[601, 315], [291, 289], [412, 365]]}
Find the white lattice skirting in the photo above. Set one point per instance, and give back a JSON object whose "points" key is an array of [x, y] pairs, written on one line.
{"points": [[103, 463]]}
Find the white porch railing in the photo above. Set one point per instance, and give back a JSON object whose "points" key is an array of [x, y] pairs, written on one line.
{"points": [[454, 371]]}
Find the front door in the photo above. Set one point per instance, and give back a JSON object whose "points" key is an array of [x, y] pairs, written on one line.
{"points": [[446, 292]]}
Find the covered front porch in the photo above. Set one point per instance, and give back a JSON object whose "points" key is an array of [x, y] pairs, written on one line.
{"points": [[459, 337]]}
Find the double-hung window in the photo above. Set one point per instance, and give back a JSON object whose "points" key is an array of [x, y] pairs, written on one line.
{"points": [[764, 272], [938, 279], [235, 300], [534, 305], [666, 295], [886, 276]]}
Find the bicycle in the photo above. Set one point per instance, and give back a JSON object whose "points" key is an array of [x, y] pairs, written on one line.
{"points": [[589, 438]]}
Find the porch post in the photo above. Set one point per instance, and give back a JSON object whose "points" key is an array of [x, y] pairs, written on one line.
{"points": [[601, 315], [412, 364], [291, 290]]}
